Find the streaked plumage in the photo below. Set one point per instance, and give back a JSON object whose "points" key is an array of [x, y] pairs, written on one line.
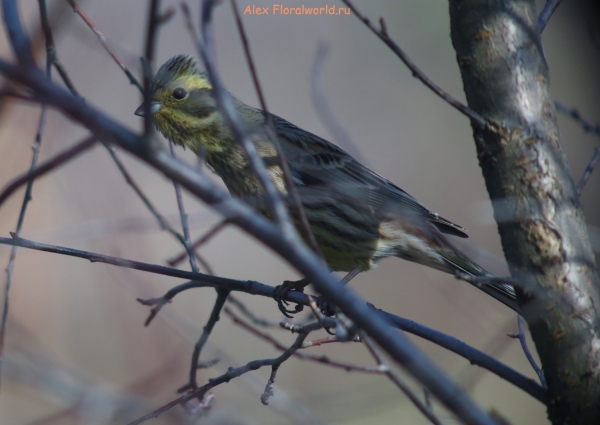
{"points": [[357, 216]]}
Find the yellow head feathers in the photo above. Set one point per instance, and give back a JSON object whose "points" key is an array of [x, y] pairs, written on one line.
{"points": [[181, 67]]}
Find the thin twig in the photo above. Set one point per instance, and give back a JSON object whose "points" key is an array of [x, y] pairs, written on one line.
{"points": [[151, 33], [250, 315], [588, 126], [19, 41], [104, 44], [47, 166], [221, 294], [51, 47], [272, 136], [530, 359], [301, 355], [268, 392], [546, 13], [231, 374], [324, 110], [199, 242], [160, 19], [416, 72], [588, 171], [329, 340], [474, 356], [158, 303], [162, 222], [292, 249], [271, 195], [255, 288], [22, 48], [13, 253], [423, 408], [187, 243], [214, 318]]}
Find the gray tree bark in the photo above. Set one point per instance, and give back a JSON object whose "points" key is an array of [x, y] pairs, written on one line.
{"points": [[540, 219]]}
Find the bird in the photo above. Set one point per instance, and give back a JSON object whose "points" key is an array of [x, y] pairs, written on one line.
{"points": [[357, 216]]}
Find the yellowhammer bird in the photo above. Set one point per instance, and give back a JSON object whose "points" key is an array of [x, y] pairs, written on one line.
{"points": [[357, 216]]}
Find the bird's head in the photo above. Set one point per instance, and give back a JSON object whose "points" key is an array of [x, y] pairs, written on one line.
{"points": [[181, 100]]}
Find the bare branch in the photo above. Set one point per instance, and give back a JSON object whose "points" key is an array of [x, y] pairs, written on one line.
{"points": [[104, 44], [51, 55], [231, 374], [416, 72], [324, 110], [546, 13], [255, 288], [151, 33], [19, 41], [301, 355], [588, 171], [199, 242], [232, 300], [187, 243], [272, 136], [272, 196], [574, 113], [242, 215], [474, 356], [523, 340], [423, 408], [21, 45], [214, 318], [49, 165], [522, 162]]}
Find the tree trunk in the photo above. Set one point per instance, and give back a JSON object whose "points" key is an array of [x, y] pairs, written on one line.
{"points": [[539, 216]]}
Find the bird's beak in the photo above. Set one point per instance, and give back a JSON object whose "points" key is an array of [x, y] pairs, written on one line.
{"points": [[154, 108]]}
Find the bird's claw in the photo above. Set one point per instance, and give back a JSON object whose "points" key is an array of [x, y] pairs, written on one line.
{"points": [[281, 292], [326, 306]]}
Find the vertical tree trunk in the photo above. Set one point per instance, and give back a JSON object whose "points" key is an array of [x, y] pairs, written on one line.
{"points": [[539, 216]]}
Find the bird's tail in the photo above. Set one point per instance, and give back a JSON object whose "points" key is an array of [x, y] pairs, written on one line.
{"points": [[502, 292]]}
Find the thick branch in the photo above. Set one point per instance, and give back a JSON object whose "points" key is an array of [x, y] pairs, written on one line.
{"points": [[255, 288], [506, 81]]}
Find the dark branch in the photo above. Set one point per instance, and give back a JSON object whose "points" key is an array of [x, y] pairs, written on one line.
{"points": [[523, 340], [242, 215], [588, 171], [47, 166], [255, 288], [416, 72], [198, 243], [546, 14], [272, 135], [574, 113], [214, 318], [423, 408], [104, 44]]}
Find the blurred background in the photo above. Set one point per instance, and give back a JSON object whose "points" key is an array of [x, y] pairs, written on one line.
{"points": [[77, 351]]}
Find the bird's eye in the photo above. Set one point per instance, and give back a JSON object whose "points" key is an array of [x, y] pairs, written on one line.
{"points": [[179, 93]]}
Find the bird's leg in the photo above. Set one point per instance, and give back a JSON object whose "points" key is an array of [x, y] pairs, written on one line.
{"points": [[282, 290], [351, 275], [325, 305]]}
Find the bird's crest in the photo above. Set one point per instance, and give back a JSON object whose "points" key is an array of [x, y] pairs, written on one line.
{"points": [[174, 68]]}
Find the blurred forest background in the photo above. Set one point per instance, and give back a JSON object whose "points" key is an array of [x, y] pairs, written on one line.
{"points": [[77, 350]]}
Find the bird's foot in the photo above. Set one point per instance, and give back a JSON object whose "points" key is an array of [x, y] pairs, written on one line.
{"points": [[326, 306], [282, 290]]}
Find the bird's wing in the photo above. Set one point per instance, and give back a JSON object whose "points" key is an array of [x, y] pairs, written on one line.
{"points": [[318, 163]]}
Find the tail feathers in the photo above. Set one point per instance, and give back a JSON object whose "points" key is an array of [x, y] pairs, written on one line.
{"points": [[502, 292]]}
